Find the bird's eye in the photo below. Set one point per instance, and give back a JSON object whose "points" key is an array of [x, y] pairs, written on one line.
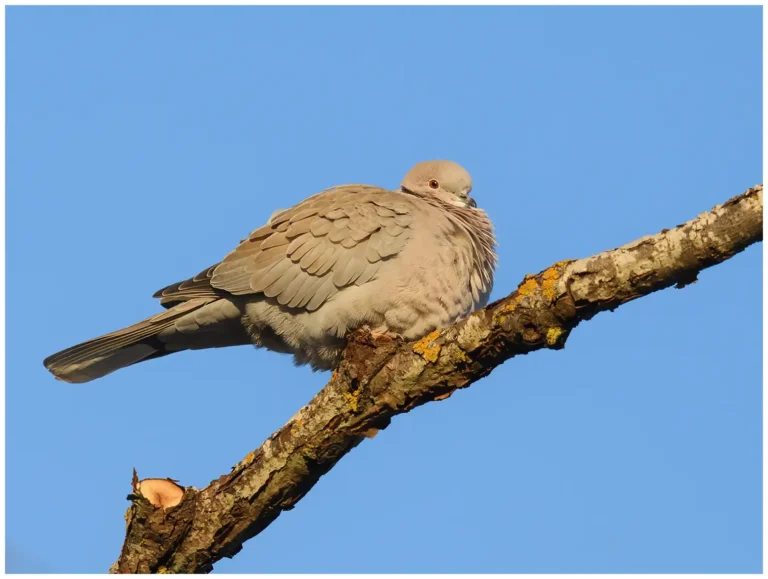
{"points": [[434, 184]]}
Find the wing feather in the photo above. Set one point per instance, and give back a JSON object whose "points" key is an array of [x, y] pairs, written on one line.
{"points": [[308, 253]]}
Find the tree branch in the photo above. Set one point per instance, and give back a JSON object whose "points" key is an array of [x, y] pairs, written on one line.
{"points": [[381, 378]]}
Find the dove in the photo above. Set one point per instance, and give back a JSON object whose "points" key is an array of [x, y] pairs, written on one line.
{"points": [[399, 262]]}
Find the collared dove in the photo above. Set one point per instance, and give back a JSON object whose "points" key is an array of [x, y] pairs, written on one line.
{"points": [[402, 262]]}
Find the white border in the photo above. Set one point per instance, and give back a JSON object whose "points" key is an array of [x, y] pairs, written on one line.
{"points": [[352, 3]]}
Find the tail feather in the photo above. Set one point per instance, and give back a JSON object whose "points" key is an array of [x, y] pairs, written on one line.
{"points": [[105, 354], [99, 366]]}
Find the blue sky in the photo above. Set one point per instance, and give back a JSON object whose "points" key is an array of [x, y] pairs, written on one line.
{"points": [[144, 143]]}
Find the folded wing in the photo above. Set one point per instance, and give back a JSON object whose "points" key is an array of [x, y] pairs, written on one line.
{"points": [[308, 253]]}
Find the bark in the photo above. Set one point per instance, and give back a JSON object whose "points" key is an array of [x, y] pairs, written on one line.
{"points": [[382, 377]]}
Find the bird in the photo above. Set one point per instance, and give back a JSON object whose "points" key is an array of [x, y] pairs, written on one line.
{"points": [[401, 262]]}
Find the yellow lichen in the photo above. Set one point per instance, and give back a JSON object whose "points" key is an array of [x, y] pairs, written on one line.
{"points": [[352, 398], [163, 571], [427, 347], [295, 427], [501, 315], [249, 457], [553, 334], [549, 282], [527, 288], [549, 279]]}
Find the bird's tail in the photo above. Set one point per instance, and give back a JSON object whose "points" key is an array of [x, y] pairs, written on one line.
{"points": [[150, 338]]}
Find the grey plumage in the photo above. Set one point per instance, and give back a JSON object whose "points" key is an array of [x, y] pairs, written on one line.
{"points": [[406, 262]]}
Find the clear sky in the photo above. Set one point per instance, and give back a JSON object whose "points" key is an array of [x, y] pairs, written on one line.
{"points": [[144, 143]]}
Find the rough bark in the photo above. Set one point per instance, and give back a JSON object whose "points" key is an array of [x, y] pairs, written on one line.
{"points": [[380, 378]]}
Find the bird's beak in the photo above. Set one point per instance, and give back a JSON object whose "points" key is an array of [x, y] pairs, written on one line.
{"points": [[471, 202]]}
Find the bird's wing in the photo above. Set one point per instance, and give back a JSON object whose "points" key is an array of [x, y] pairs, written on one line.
{"points": [[194, 287], [307, 253]]}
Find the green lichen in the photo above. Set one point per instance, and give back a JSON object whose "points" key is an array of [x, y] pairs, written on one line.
{"points": [[460, 356]]}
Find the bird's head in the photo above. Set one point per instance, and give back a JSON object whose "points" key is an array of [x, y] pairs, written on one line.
{"points": [[446, 180]]}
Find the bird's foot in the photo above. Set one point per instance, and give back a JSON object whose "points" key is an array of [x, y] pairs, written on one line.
{"points": [[367, 335], [381, 333]]}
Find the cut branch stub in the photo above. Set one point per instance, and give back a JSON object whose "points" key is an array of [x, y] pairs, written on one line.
{"points": [[160, 492], [160, 515]]}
